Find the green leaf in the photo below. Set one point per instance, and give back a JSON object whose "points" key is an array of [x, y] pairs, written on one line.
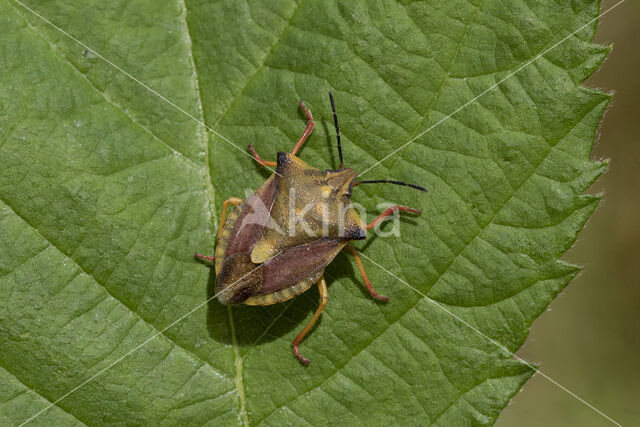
{"points": [[107, 190]]}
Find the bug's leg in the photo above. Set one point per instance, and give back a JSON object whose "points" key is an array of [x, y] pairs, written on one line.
{"points": [[208, 260], [233, 201], [389, 211], [230, 201], [324, 295], [367, 282], [307, 131], [259, 159]]}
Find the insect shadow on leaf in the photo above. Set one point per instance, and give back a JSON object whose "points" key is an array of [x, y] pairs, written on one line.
{"points": [[332, 157], [275, 244], [254, 325]]}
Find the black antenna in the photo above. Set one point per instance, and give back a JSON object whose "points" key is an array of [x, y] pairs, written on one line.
{"points": [[335, 120], [386, 181]]}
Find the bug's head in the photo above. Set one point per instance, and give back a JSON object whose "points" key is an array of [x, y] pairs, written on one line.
{"points": [[341, 181], [344, 179], [312, 203]]}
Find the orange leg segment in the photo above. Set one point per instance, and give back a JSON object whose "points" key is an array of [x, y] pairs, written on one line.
{"points": [[324, 296], [230, 201], [389, 211], [233, 201], [209, 260], [260, 160], [307, 131], [367, 282]]}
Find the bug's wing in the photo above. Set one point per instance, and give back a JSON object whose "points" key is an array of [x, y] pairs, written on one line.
{"points": [[238, 279], [299, 263], [253, 215], [241, 279]]}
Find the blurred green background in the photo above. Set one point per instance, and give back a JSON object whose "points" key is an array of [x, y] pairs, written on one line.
{"points": [[589, 341]]}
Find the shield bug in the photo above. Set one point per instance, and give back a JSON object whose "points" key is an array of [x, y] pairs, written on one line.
{"points": [[275, 244]]}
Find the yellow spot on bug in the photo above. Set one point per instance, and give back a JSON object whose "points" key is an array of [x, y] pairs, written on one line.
{"points": [[262, 251]]}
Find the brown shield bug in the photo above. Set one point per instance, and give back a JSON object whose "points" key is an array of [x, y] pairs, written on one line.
{"points": [[275, 244]]}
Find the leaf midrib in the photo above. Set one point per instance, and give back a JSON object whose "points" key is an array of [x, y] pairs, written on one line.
{"points": [[454, 258], [238, 359], [204, 134]]}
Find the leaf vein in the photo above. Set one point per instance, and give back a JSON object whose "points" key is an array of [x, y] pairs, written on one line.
{"points": [[32, 390], [257, 71], [111, 102]]}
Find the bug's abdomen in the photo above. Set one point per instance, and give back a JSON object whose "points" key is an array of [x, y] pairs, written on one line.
{"points": [[223, 236], [241, 282], [284, 294], [238, 279]]}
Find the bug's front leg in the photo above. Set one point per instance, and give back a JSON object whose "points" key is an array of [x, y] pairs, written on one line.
{"points": [[389, 211], [233, 201], [324, 296], [259, 159], [307, 131], [366, 280]]}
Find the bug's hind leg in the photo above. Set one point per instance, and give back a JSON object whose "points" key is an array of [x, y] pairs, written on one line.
{"points": [[367, 282], [307, 131], [233, 201], [259, 159], [324, 296]]}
